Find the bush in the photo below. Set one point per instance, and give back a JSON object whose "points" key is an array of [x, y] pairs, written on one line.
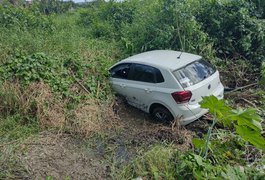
{"points": [[54, 6], [35, 68], [105, 19], [234, 30], [63, 76], [168, 163], [147, 25], [260, 8], [167, 25], [23, 18]]}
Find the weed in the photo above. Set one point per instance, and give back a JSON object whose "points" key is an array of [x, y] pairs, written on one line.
{"points": [[162, 162], [246, 122], [23, 18]]}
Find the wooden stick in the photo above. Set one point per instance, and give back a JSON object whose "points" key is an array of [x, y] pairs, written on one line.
{"points": [[98, 87], [243, 87], [81, 85], [249, 102]]}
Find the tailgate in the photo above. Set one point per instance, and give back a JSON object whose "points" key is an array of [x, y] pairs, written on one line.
{"points": [[201, 79], [210, 86]]}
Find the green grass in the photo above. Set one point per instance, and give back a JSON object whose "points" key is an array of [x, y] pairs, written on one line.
{"points": [[13, 131], [14, 128]]}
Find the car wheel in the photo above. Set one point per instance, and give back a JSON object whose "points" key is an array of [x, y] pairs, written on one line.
{"points": [[162, 114]]}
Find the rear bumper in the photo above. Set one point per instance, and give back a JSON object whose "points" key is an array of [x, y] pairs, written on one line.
{"points": [[186, 115], [194, 116], [194, 111]]}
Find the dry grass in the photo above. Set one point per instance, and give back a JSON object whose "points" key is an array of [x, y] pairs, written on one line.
{"points": [[49, 109], [91, 116], [37, 100]]}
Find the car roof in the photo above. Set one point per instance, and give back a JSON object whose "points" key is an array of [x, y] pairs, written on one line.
{"points": [[163, 58]]}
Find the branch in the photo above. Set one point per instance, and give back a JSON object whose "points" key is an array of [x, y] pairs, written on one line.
{"points": [[81, 85], [243, 87]]}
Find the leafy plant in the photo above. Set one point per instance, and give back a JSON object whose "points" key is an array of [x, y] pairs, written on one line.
{"points": [[246, 123], [233, 28], [166, 25], [162, 162], [54, 6], [24, 19], [105, 20], [38, 67]]}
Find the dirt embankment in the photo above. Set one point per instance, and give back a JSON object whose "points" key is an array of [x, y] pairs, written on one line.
{"points": [[63, 156]]}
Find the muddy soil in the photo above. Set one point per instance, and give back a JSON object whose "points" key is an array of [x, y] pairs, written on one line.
{"points": [[63, 156], [60, 156]]}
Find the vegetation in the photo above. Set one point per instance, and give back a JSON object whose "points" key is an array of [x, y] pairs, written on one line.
{"points": [[54, 60]]}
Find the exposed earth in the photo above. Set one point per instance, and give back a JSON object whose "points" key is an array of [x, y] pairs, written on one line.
{"points": [[58, 155]]}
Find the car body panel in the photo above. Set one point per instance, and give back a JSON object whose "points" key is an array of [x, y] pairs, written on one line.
{"points": [[143, 95], [209, 86], [170, 59]]}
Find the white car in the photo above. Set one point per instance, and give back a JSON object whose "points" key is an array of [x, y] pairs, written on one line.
{"points": [[167, 84]]}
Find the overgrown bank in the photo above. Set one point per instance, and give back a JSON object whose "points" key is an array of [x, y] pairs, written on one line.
{"points": [[54, 74]]}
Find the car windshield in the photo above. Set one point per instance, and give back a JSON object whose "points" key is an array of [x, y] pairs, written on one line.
{"points": [[194, 73]]}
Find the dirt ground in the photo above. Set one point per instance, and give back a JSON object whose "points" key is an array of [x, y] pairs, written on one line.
{"points": [[60, 156], [64, 156]]}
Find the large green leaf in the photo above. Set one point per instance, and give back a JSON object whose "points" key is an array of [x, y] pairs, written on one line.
{"points": [[252, 136], [249, 118], [218, 108]]}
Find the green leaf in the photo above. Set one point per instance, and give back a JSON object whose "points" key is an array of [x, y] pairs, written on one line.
{"points": [[198, 159], [198, 143], [249, 118], [218, 108], [252, 136]]}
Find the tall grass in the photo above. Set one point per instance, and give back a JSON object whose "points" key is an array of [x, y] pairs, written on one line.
{"points": [[74, 58]]}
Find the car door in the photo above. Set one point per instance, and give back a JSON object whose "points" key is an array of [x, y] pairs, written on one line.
{"points": [[119, 78], [141, 87]]}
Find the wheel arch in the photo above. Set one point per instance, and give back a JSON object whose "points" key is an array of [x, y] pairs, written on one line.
{"points": [[157, 104]]}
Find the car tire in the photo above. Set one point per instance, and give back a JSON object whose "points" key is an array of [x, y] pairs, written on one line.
{"points": [[162, 114]]}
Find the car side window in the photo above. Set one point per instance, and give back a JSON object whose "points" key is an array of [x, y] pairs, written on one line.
{"points": [[159, 76], [120, 71], [146, 73]]}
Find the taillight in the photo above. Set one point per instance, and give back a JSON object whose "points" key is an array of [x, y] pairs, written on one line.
{"points": [[182, 96]]}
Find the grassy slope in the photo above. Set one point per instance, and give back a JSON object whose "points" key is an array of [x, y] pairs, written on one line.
{"points": [[67, 41]]}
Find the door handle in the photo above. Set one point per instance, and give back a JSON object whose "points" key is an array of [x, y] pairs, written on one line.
{"points": [[122, 85], [148, 90]]}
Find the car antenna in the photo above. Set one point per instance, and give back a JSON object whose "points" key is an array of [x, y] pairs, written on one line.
{"points": [[180, 54]]}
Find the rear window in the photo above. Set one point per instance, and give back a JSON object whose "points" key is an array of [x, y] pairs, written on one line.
{"points": [[194, 73]]}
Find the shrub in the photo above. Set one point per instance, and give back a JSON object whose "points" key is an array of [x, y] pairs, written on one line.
{"points": [[148, 25], [54, 6], [23, 18], [233, 29], [69, 78], [105, 19], [165, 25], [35, 68], [168, 163], [260, 8]]}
